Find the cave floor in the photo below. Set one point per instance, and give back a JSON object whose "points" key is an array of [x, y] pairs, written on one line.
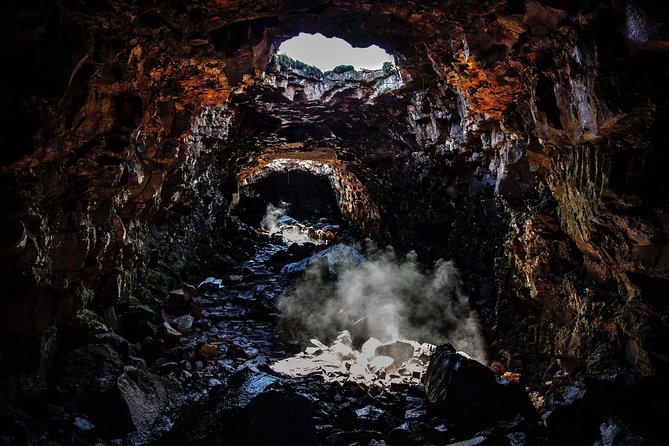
{"points": [[221, 365], [242, 321]]}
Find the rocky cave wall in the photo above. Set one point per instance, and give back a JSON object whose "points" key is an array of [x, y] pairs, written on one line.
{"points": [[351, 196], [522, 144]]}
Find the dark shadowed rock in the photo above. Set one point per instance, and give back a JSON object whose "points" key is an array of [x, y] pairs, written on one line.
{"points": [[223, 263], [13, 426], [210, 285], [599, 407], [469, 395], [280, 258], [300, 251], [373, 418], [347, 438], [252, 410], [415, 433], [615, 432], [92, 368], [476, 441], [345, 418], [119, 343]]}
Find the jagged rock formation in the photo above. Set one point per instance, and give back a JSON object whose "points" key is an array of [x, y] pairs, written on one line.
{"points": [[524, 141]]}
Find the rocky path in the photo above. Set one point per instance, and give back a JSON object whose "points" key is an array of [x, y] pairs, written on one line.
{"points": [[224, 364], [233, 328], [202, 373], [207, 373]]}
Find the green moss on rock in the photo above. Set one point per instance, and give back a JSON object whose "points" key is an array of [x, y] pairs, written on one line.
{"points": [[91, 368]]}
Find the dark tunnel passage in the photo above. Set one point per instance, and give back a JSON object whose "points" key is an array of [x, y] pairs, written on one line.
{"points": [[304, 196]]}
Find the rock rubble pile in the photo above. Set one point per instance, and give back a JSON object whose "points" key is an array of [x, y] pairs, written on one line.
{"points": [[394, 366]]}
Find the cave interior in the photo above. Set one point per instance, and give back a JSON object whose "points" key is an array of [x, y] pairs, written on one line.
{"points": [[206, 241]]}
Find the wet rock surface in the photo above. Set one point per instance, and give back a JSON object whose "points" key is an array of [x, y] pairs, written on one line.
{"points": [[214, 375], [252, 409], [469, 394], [337, 256], [212, 366]]}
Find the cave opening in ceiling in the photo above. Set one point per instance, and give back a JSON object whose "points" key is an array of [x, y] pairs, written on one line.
{"points": [[328, 53]]}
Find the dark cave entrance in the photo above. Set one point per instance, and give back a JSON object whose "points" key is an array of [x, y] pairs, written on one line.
{"points": [[303, 195]]}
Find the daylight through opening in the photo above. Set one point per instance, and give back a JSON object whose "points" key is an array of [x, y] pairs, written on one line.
{"points": [[327, 53]]}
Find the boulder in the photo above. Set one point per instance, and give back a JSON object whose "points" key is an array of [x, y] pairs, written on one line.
{"points": [[169, 334], [300, 251], [400, 351], [223, 263], [345, 418], [338, 257], [616, 432], [467, 393], [144, 396], [122, 401], [280, 258], [133, 402], [373, 418], [177, 301], [119, 343], [207, 351], [90, 369], [415, 433], [252, 409], [382, 365], [286, 220], [593, 408], [183, 323], [210, 285]]}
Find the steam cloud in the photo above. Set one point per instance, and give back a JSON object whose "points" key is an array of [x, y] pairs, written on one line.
{"points": [[271, 218], [290, 234], [387, 297]]}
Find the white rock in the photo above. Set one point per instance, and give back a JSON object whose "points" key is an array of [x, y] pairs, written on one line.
{"points": [[400, 351], [318, 344], [313, 351], [369, 347], [343, 352], [382, 365], [345, 338]]}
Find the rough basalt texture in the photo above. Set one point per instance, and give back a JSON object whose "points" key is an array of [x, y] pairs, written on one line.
{"points": [[351, 195], [524, 143]]}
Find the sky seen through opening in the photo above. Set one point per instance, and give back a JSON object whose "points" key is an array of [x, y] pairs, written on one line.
{"points": [[326, 53]]}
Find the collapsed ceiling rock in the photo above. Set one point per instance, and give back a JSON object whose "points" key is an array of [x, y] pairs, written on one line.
{"points": [[394, 365]]}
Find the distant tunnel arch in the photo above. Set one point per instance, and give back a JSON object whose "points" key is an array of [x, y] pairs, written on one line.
{"points": [[351, 195]]}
